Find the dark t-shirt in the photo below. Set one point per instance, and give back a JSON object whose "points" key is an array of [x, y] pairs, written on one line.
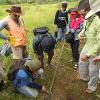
{"points": [[61, 18]]}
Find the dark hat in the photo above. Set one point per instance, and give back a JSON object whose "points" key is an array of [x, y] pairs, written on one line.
{"points": [[64, 4], [15, 9], [72, 10]]}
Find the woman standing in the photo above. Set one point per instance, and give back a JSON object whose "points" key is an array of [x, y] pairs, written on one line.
{"points": [[75, 27]]}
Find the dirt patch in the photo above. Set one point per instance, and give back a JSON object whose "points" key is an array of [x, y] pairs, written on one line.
{"points": [[66, 85]]}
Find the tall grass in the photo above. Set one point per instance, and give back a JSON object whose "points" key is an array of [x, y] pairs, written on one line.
{"points": [[35, 16]]}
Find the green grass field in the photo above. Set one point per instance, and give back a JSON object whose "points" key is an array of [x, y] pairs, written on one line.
{"points": [[66, 85]]}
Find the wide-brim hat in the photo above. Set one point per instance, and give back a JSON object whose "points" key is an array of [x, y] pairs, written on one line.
{"points": [[84, 5], [15, 9], [33, 64], [92, 5], [95, 7]]}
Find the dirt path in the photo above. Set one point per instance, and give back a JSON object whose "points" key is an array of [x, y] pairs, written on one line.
{"points": [[66, 85]]}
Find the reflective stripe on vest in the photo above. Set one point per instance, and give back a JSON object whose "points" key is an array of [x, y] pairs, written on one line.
{"points": [[17, 33]]}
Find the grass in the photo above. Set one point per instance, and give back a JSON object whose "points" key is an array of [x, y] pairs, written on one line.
{"points": [[66, 85]]}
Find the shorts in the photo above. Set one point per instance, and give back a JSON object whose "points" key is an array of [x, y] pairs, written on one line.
{"points": [[19, 52]]}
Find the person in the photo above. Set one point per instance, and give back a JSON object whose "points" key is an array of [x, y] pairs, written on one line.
{"points": [[75, 27], [14, 25], [89, 71], [61, 21], [2, 77], [96, 59], [2, 72], [43, 42], [23, 76]]}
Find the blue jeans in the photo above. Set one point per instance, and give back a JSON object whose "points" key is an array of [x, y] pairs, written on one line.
{"points": [[28, 91], [61, 33]]}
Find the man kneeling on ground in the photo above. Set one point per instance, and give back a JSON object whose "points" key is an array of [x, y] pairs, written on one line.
{"points": [[23, 78]]}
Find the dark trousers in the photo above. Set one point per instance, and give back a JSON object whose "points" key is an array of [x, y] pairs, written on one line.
{"points": [[75, 50], [41, 56]]}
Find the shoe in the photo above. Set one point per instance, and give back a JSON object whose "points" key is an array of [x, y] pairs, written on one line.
{"points": [[89, 91], [76, 66]]}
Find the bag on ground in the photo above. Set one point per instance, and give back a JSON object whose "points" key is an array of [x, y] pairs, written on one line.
{"points": [[5, 49]]}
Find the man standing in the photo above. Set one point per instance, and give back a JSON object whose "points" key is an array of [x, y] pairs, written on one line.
{"points": [[16, 35], [61, 20], [16, 31]]}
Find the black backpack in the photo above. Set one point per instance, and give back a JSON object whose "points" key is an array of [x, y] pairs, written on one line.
{"points": [[40, 30], [40, 33]]}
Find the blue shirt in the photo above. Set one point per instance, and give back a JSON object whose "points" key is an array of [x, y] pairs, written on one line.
{"points": [[22, 78]]}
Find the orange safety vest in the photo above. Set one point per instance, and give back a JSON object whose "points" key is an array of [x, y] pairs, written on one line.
{"points": [[16, 33]]}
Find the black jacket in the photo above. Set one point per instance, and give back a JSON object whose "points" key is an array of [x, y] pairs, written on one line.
{"points": [[61, 19]]}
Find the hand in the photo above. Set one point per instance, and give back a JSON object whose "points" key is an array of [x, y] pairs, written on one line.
{"points": [[81, 38], [6, 41], [44, 89], [83, 57], [72, 31], [96, 59]]}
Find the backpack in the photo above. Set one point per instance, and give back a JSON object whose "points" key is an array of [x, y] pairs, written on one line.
{"points": [[41, 33], [40, 30], [48, 43], [5, 49]]}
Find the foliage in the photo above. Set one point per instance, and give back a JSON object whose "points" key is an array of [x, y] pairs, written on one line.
{"points": [[30, 1], [35, 16], [43, 15]]}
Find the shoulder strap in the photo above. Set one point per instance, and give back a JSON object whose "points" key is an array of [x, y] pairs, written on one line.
{"points": [[59, 13]]}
